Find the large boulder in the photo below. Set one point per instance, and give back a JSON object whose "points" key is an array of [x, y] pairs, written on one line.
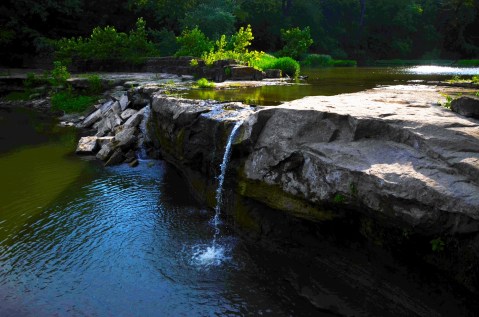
{"points": [[126, 138], [125, 115], [135, 119], [239, 72], [387, 154], [87, 145], [467, 106], [91, 119]]}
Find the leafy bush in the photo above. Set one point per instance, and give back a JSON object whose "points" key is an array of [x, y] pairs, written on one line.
{"points": [[475, 79], [59, 74], [70, 103], [296, 41], [204, 83], [317, 60], [235, 48], [108, 44], [193, 43], [95, 85], [287, 65]]}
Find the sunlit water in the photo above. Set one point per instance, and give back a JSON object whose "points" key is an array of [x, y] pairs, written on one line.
{"points": [[332, 81]]}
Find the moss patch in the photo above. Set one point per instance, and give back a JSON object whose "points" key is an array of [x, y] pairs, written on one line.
{"points": [[276, 198]]}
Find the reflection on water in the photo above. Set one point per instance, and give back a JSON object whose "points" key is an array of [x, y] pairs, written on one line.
{"points": [[443, 70], [331, 81]]}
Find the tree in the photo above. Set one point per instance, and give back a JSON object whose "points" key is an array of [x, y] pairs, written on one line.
{"points": [[214, 17]]}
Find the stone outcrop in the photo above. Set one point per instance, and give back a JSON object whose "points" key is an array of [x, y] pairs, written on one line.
{"points": [[220, 70], [466, 106], [116, 128], [393, 155]]}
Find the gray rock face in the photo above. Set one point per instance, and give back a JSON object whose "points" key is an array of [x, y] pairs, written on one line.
{"points": [[124, 102], [127, 113], [105, 152], [126, 138], [466, 106], [245, 73], [135, 119], [87, 145], [388, 154], [116, 158], [91, 119]]}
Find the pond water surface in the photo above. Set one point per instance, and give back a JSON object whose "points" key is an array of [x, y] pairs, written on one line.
{"points": [[332, 81]]}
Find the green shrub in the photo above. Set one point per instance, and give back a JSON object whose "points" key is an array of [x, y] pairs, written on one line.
{"points": [[71, 103], [193, 43], [265, 62], [235, 48], [59, 74], [287, 65], [31, 81], [344, 63], [475, 79], [296, 41], [468, 62], [204, 83], [108, 44], [317, 60], [95, 85]]}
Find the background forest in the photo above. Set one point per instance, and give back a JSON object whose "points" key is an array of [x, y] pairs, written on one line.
{"points": [[363, 30]]}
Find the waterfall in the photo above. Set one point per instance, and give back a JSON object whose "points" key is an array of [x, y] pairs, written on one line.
{"points": [[144, 131], [214, 254], [221, 179]]}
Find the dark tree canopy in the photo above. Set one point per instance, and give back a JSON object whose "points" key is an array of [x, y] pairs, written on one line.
{"points": [[358, 29]]}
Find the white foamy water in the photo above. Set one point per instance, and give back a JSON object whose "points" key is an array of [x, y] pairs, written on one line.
{"points": [[207, 256]]}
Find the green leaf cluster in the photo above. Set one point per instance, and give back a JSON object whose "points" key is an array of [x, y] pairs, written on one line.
{"points": [[193, 43], [108, 44], [296, 42]]}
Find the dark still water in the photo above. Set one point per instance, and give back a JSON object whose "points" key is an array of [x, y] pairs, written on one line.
{"points": [[333, 81], [77, 239]]}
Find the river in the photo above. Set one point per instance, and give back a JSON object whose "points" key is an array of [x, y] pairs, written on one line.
{"points": [[79, 239]]}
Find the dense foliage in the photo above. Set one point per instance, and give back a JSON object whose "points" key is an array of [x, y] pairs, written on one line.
{"points": [[362, 30], [108, 44]]}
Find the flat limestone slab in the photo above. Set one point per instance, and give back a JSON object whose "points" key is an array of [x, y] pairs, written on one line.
{"points": [[392, 151]]}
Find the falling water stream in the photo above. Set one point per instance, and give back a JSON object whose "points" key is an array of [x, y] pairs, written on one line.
{"points": [[215, 254]]}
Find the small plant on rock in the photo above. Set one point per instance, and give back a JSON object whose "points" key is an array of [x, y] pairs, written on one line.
{"points": [[437, 245], [204, 83]]}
